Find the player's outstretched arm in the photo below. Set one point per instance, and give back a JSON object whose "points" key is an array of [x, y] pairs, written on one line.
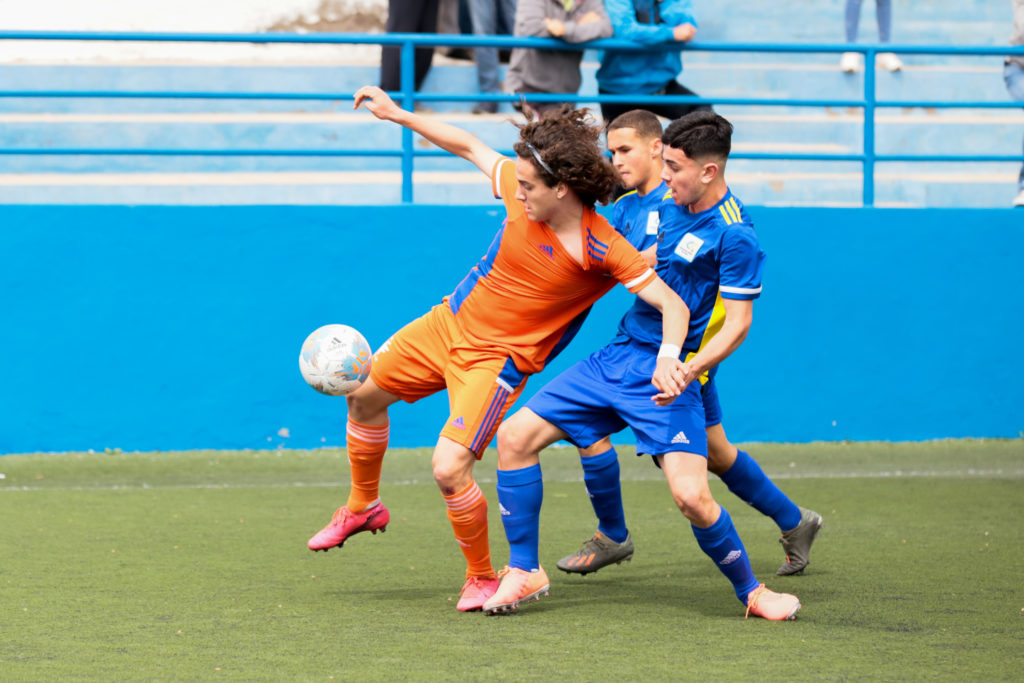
{"points": [[739, 314], [445, 136], [670, 375]]}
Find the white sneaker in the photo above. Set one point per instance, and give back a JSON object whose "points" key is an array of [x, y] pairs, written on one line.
{"points": [[850, 62], [888, 61], [1019, 201]]}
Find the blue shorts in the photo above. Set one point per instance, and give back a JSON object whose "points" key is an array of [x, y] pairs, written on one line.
{"points": [[611, 390], [712, 407]]}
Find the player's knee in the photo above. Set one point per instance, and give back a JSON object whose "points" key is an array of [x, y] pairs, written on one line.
{"points": [[451, 475], [693, 498], [513, 445], [363, 407]]}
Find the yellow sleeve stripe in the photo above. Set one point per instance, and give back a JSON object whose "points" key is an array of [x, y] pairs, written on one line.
{"points": [[733, 213], [736, 209], [725, 214]]}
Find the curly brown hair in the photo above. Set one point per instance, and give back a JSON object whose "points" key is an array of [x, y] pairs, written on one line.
{"points": [[563, 147]]}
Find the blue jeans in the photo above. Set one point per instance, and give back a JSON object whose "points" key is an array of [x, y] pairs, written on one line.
{"points": [[1014, 76], [883, 12], [484, 16]]}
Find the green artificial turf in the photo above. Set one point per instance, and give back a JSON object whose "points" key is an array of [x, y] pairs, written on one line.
{"points": [[178, 566]]}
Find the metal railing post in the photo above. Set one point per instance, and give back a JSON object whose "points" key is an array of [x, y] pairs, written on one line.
{"points": [[869, 129], [408, 62]]}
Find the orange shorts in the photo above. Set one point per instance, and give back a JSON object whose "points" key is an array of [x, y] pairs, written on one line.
{"points": [[430, 354]]}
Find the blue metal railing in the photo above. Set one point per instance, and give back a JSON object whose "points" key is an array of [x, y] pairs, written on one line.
{"points": [[407, 43]]}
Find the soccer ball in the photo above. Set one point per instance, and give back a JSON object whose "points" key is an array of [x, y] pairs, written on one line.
{"points": [[335, 360]]}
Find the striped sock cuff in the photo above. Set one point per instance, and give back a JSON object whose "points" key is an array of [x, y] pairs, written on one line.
{"points": [[367, 433], [467, 499]]}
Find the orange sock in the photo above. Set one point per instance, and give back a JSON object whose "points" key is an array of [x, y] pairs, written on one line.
{"points": [[366, 447], [467, 511]]}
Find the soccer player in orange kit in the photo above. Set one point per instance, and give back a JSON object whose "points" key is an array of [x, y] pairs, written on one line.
{"points": [[515, 310]]}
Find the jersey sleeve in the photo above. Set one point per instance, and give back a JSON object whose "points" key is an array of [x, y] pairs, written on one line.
{"points": [[505, 186], [742, 264], [626, 264]]}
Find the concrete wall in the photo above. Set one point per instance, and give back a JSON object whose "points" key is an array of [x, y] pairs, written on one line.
{"points": [[166, 328]]}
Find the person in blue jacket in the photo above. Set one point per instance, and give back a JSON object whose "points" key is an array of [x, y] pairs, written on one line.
{"points": [[648, 72]]}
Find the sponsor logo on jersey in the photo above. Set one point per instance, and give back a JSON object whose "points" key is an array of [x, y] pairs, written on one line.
{"points": [[732, 557], [653, 221], [503, 510], [680, 438], [458, 423], [547, 249], [689, 246]]}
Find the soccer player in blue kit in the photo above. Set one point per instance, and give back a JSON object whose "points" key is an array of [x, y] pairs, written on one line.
{"points": [[714, 262], [634, 140]]}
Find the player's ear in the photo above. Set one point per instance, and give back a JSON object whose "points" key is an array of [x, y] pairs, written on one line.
{"points": [[656, 147], [561, 189], [710, 172]]}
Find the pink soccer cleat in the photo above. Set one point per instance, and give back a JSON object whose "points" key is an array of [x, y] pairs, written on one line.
{"points": [[762, 602], [344, 523], [475, 593], [517, 586]]}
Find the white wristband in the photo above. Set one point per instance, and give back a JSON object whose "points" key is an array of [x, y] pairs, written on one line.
{"points": [[669, 351]]}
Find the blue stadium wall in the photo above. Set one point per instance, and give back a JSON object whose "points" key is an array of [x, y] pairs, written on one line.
{"points": [[165, 328]]}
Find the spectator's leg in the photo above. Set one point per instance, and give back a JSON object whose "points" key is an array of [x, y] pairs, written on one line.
{"points": [[483, 14], [852, 19], [675, 111], [883, 13], [428, 11], [448, 16], [609, 110], [407, 16]]}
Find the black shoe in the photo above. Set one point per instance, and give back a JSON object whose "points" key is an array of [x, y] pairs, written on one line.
{"points": [[485, 108]]}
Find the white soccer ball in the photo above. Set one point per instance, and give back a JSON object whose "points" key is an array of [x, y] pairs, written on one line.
{"points": [[335, 360]]}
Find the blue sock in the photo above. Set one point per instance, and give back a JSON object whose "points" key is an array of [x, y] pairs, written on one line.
{"points": [[601, 475], [722, 544], [748, 481], [520, 493]]}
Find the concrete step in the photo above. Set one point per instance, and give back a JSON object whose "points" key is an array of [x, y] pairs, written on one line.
{"points": [[830, 131], [757, 182], [710, 74]]}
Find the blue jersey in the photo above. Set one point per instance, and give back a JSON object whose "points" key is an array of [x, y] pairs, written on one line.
{"points": [[638, 217], [704, 257], [647, 22]]}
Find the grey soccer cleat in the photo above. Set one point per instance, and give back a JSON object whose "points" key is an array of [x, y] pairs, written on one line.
{"points": [[797, 542], [597, 551]]}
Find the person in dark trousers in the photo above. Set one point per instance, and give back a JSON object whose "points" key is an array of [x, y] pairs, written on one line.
{"points": [[408, 16]]}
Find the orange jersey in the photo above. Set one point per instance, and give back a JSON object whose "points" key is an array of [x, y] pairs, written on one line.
{"points": [[527, 295]]}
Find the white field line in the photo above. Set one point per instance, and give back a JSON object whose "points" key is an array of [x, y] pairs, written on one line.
{"points": [[971, 473]]}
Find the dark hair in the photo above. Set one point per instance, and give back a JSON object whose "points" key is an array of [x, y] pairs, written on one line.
{"points": [[646, 124], [700, 134], [563, 147]]}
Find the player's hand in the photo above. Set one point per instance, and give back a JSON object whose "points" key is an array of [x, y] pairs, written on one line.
{"points": [[554, 26], [589, 17], [684, 32], [377, 102], [671, 377]]}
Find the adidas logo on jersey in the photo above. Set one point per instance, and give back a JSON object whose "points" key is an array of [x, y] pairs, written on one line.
{"points": [[383, 348], [458, 423], [547, 249], [680, 438], [732, 557], [503, 510]]}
